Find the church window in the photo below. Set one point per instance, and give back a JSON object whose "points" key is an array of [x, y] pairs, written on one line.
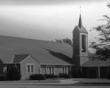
{"points": [[30, 68], [50, 70], [67, 70], [64, 69]]}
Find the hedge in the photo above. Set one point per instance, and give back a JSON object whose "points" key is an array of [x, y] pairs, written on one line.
{"points": [[2, 77], [37, 77], [13, 73], [64, 75], [49, 76]]}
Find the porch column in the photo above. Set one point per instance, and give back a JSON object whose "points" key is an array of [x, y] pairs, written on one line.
{"points": [[46, 69], [54, 69], [40, 71], [61, 69], [99, 72]]}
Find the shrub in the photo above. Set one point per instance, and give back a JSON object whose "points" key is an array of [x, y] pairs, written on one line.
{"points": [[49, 76], [76, 73], [2, 77], [37, 77], [13, 73], [64, 75], [108, 75]]}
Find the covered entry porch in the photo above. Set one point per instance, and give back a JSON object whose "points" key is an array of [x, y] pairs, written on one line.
{"points": [[95, 69]]}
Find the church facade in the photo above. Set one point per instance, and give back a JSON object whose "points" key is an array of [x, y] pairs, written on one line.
{"points": [[47, 57], [34, 56]]}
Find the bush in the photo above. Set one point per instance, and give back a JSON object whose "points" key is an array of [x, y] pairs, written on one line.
{"points": [[2, 77], [76, 73], [13, 73], [64, 75], [37, 77], [49, 76], [108, 75]]}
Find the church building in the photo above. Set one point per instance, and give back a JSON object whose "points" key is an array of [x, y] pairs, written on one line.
{"points": [[46, 57]]}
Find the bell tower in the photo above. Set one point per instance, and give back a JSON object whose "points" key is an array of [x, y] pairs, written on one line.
{"points": [[80, 44]]}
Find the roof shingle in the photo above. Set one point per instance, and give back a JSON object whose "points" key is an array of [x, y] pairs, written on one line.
{"points": [[95, 63], [19, 58], [61, 53]]}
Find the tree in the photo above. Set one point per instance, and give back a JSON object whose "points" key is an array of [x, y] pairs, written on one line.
{"points": [[58, 40], [13, 73], [65, 40], [103, 47], [68, 41]]}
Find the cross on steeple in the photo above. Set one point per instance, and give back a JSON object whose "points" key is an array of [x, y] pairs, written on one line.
{"points": [[80, 20]]}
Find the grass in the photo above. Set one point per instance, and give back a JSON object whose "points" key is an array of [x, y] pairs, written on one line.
{"points": [[50, 82], [32, 81]]}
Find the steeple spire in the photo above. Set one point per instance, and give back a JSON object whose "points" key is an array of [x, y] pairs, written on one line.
{"points": [[80, 20]]}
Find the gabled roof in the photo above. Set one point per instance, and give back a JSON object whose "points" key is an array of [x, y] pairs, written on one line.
{"points": [[95, 63], [19, 58], [47, 52]]}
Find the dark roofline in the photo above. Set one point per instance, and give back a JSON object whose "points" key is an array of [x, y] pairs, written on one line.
{"points": [[19, 55], [56, 64]]}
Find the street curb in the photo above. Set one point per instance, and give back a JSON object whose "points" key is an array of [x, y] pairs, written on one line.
{"points": [[60, 84]]}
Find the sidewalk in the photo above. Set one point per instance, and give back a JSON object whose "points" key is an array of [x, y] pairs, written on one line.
{"points": [[86, 82], [69, 81], [76, 82], [83, 80]]}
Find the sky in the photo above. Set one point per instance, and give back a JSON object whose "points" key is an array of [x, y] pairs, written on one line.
{"points": [[50, 19]]}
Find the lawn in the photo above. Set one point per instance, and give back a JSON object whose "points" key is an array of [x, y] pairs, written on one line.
{"points": [[32, 81], [37, 86]]}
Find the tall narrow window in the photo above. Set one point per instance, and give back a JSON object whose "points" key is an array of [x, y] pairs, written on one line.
{"points": [[46, 70], [64, 69], [28, 68], [67, 69], [83, 43], [32, 68], [52, 69]]}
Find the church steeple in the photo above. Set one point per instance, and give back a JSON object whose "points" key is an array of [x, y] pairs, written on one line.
{"points": [[80, 21], [80, 43]]}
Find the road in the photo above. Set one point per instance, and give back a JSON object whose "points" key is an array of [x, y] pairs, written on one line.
{"points": [[43, 86]]}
